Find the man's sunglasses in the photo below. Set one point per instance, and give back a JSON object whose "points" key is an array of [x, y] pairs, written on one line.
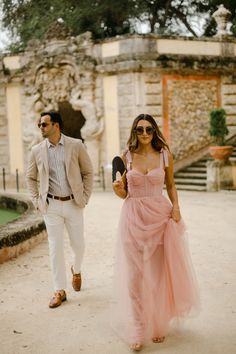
{"points": [[140, 130], [44, 125]]}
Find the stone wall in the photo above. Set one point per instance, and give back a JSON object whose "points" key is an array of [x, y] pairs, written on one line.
{"points": [[177, 80], [127, 100], [138, 93], [190, 98], [229, 100]]}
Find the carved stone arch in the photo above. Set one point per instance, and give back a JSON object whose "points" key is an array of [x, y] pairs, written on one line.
{"points": [[61, 85], [55, 83]]}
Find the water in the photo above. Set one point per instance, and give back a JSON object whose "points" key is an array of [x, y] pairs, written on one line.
{"points": [[7, 215]]}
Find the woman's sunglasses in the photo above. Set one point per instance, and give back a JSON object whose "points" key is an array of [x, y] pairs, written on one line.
{"points": [[140, 130]]}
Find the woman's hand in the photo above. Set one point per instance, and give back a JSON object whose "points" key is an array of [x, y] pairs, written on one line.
{"points": [[175, 214], [119, 185]]}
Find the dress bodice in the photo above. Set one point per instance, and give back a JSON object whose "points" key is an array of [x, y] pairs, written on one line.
{"points": [[149, 184]]}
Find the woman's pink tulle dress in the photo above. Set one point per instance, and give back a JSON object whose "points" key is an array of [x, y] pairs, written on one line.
{"points": [[154, 277]]}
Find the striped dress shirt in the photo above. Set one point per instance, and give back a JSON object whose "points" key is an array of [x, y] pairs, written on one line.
{"points": [[58, 182]]}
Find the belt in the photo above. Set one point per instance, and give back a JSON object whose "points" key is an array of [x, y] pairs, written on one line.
{"points": [[63, 199]]}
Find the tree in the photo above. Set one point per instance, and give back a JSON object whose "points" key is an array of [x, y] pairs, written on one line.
{"points": [[183, 16], [27, 19], [167, 17]]}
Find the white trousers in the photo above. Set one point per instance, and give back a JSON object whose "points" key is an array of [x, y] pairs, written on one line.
{"points": [[60, 213]]}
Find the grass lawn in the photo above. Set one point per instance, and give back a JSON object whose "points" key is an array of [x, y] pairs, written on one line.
{"points": [[7, 215]]}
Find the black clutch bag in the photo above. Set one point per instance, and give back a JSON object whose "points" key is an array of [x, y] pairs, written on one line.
{"points": [[117, 166]]}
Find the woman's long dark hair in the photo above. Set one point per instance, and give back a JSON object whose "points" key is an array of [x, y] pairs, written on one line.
{"points": [[158, 140]]}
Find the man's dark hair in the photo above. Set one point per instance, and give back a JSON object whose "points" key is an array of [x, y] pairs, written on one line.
{"points": [[55, 117]]}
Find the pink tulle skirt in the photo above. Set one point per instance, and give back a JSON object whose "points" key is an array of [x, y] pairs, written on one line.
{"points": [[154, 281]]}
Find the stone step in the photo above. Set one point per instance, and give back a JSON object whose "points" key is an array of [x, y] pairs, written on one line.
{"points": [[203, 165], [191, 188], [184, 174], [194, 169], [194, 177], [200, 162], [184, 181]]}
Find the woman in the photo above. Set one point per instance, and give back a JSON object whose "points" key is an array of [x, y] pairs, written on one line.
{"points": [[154, 278]]}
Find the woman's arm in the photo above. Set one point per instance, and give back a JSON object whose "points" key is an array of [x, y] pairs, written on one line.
{"points": [[171, 189]]}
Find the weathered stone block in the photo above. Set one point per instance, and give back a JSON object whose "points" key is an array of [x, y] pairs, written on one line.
{"points": [[125, 124], [125, 78], [153, 110], [98, 92], [2, 110], [234, 174], [136, 45], [3, 122], [153, 99], [231, 110], [4, 157], [124, 89], [127, 100], [229, 100], [229, 89], [227, 79], [231, 120], [219, 175], [227, 49], [152, 77], [153, 88], [126, 112]]}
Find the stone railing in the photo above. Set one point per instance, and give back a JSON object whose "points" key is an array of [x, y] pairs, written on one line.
{"points": [[23, 233]]}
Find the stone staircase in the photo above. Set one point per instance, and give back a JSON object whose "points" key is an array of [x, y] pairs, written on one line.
{"points": [[194, 176]]}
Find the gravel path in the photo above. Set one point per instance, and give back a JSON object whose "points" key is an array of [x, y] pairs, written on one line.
{"points": [[81, 325]]}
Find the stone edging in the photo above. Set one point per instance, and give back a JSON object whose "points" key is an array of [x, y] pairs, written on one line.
{"points": [[23, 233]]}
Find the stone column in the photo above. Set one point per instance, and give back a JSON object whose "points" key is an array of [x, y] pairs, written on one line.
{"points": [[111, 118], [15, 128], [219, 175], [92, 146]]}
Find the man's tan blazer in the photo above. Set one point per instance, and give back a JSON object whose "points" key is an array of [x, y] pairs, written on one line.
{"points": [[78, 169]]}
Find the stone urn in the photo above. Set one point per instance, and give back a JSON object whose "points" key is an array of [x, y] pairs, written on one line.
{"points": [[221, 17], [221, 152]]}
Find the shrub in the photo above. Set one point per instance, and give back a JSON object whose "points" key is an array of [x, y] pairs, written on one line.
{"points": [[218, 128]]}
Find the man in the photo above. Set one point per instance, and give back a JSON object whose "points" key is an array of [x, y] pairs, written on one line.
{"points": [[65, 174]]}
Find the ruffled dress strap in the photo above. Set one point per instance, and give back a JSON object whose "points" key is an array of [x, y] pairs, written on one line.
{"points": [[164, 161]]}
